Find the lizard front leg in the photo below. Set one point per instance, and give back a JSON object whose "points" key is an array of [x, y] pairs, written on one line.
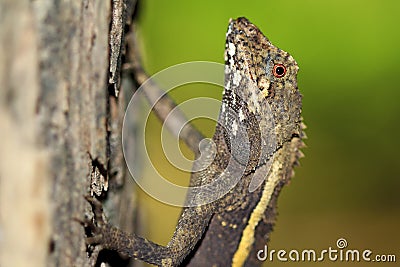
{"points": [[187, 234]]}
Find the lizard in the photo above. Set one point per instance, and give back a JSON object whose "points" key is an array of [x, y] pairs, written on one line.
{"points": [[257, 141]]}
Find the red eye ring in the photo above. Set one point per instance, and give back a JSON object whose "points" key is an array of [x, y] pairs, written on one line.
{"points": [[279, 70]]}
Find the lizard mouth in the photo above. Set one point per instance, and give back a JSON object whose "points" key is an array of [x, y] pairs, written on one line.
{"points": [[243, 38], [242, 32], [242, 23]]}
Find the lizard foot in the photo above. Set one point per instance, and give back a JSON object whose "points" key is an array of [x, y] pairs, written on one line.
{"points": [[97, 224]]}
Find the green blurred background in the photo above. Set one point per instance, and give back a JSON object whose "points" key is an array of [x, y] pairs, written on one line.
{"points": [[348, 51]]}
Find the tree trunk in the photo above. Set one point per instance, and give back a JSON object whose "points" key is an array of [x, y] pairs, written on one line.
{"points": [[60, 119]]}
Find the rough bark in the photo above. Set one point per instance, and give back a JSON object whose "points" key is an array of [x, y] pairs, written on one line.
{"points": [[60, 125]]}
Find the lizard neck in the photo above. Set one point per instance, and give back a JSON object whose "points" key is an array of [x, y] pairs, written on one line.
{"points": [[246, 121]]}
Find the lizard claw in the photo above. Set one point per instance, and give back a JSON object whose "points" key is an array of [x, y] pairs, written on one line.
{"points": [[95, 224], [97, 209]]}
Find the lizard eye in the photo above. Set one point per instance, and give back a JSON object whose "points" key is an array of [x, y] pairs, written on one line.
{"points": [[279, 70]]}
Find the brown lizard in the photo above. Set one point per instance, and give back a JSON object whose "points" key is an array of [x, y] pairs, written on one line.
{"points": [[257, 143]]}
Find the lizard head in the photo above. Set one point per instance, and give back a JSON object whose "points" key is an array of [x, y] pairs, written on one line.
{"points": [[261, 84], [261, 103]]}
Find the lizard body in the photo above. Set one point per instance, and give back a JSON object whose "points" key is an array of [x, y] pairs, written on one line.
{"points": [[257, 144]]}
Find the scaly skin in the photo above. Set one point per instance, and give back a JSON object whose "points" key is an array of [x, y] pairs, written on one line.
{"points": [[257, 141]]}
